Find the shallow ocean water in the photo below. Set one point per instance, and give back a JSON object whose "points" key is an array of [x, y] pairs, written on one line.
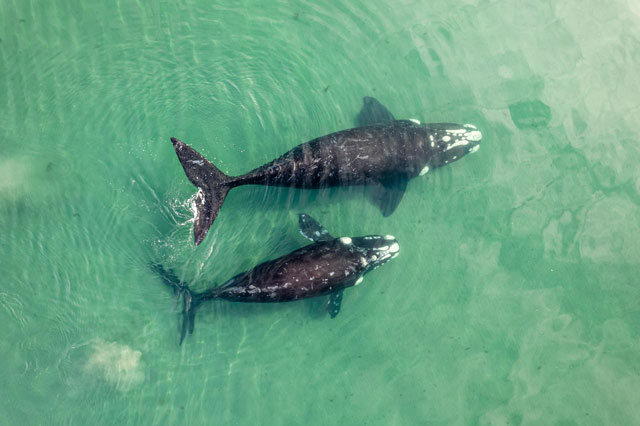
{"points": [[515, 296]]}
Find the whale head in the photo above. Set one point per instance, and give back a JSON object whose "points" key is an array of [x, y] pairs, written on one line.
{"points": [[375, 250], [450, 142]]}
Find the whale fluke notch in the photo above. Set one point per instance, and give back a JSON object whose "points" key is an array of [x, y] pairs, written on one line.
{"points": [[213, 187], [373, 112]]}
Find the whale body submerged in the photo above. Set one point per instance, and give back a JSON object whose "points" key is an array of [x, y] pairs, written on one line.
{"points": [[325, 267], [382, 153]]}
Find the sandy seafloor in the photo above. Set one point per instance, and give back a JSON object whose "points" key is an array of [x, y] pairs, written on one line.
{"points": [[514, 300]]}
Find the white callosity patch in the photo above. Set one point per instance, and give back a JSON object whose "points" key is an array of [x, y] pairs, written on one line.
{"points": [[456, 131], [389, 237], [345, 240], [395, 247], [118, 364], [359, 280], [474, 136], [424, 171], [458, 142], [474, 149], [413, 120], [462, 137]]}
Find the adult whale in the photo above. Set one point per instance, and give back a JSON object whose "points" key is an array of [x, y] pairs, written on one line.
{"points": [[384, 155], [327, 266]]}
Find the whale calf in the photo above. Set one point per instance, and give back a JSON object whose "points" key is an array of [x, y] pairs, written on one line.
{"points": [[382, 153], [325, 267]]}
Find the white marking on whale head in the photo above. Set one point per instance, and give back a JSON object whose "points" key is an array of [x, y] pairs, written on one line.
{"points": [[359, 281], [474, 149], [424, 171], [374, 250], [459, 142], [345, 240], [413, 120], [456, 131], [474, 136], [452, 141]]}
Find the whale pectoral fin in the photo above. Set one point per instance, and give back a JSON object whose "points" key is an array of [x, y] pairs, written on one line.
{"points": [[335, 300], [373, 112], [388, 194], [311, 229]]}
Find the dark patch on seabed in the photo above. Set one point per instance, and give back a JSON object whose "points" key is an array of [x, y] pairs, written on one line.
{"points": [[530, 114]]}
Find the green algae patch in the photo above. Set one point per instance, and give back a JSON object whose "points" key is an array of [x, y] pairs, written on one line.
{"points": [[530, 114]]}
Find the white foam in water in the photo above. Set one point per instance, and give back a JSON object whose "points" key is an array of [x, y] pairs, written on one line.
{"points": [[117, 364]]}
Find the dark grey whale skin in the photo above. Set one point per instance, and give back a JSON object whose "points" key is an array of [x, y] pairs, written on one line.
{"points": [[314, 270], [361, 156], [327, 266], [383, 155]]}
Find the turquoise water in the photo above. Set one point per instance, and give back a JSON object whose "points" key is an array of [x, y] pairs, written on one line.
{"points": [[514, 299]]}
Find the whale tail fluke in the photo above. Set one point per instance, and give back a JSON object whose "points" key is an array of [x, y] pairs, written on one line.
{"points": [[190, 300], [213, 187]]}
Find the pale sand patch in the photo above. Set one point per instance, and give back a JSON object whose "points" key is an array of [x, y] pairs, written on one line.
{"points": [[118, 364]]}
